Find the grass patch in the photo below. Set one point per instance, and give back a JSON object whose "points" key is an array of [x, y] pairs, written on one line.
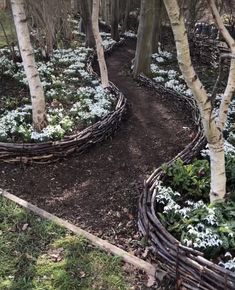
{"points": [[7, 23], [37, 254]]}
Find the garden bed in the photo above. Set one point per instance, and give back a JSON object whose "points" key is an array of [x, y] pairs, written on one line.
{"points": [[75, 100], [184, 260], [99, 191]]}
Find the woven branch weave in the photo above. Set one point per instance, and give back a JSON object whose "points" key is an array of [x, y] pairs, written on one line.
{"points": [[189, 267]]}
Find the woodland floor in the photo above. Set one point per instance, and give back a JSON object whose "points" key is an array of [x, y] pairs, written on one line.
{"points": [[99, 190]]}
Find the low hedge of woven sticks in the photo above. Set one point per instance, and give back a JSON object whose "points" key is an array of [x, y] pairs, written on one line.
{"points": [[79, 142], [188, 266]]}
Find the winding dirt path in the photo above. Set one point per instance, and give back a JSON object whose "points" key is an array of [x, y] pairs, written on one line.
{"points": [[99, 190]]}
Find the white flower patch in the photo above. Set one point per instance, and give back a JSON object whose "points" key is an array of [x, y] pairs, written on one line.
{"points": [[201, 237], [130, 34], [172, 79], [166, 54], [159, 79], [230, 264], [154, 68], [202, 234], [172, 74], [159, 59], [60, 77]]}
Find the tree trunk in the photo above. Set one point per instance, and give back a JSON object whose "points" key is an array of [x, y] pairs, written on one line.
{"points": [[157, 25], [99, 46], [218, 177], [106, 9], [115, 20], [144, 39], [85, 10], [26, 49], [126, 16], [212, 131]]}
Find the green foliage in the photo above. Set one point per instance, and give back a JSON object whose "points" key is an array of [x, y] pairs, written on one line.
{"points": [[191, 180], [230, 174]]}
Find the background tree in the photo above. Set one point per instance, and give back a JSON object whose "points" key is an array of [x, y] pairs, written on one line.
{"points": [[144, 38], [50, 23], [157, 25], [106, 11], [115, 19], [126, 16], [213, 125], [99, 46], [27, 54], [85, 11]]}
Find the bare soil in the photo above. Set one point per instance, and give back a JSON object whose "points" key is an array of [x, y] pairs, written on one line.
{"points": [[99, 190]]}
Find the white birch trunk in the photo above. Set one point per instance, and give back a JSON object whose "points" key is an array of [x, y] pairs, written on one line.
{"points": [[99, 46], [218, 175], [26, 50], [212, 130]]}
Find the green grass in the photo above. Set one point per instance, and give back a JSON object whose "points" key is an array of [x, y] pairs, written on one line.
{"points": [[37, 254], [7, 22]]}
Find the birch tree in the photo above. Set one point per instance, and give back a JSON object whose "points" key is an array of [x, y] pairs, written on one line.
{"points": [[213, 125], [99, 46], [27, 54]]}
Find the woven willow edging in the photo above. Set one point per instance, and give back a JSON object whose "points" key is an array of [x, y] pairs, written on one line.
{"points": [[187, 265], [52, 150]]}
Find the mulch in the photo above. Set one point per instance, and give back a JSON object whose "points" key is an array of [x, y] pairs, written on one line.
{"points": [[99, 190]]}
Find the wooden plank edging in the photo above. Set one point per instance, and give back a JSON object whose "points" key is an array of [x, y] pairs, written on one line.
{"points": [[96, 241]]}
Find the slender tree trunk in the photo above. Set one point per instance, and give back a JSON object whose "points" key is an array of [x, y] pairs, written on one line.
{"points": [[126, 16], [212, 131], [26, 49], [144, 39], [157, 25], [85, 10], [115, 20], [99, 46], [106, 9], [217, 162]]}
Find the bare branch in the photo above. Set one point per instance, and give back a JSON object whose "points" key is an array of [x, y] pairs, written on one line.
{"points": [[230, 88]]}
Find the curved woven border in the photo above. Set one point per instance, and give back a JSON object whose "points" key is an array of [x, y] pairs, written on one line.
{"points": [[187, 265], [53, 150]]}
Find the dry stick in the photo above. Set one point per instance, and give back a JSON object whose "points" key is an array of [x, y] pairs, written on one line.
{"points": [[103, 244], [215, 88]]}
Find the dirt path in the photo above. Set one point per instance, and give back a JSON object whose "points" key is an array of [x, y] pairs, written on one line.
{"points": [[99, 190]]}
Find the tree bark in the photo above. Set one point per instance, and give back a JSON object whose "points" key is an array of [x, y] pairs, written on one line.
{"points": [[144, 39], [212, 131], [157, 25], [126, 16], [99, 46], [85, 10], [106, 9], [26, 49], [115, 20]]}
